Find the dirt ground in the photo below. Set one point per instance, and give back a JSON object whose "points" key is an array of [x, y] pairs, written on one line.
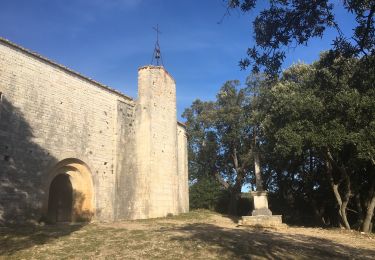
{"points": [[196, 235]]}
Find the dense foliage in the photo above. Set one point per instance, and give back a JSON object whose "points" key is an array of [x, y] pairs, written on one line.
{"points": [[207, 194], [284, 24], [220, 135], [306, 135], [314, 132]]}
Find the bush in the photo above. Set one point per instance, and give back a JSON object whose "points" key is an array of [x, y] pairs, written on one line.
{"points": [[206, 193]]}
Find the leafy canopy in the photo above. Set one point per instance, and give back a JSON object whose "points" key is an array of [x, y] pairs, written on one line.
{"points": [[285, 24]]}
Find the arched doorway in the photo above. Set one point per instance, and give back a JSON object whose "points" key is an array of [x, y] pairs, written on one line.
{"points": [[60, 201], [69, 192]]}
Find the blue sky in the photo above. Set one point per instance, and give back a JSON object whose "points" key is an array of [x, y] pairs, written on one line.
{"points": [[108, 40]]}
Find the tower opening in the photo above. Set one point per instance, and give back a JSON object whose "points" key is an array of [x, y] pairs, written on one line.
{"points": [[60, 202]]}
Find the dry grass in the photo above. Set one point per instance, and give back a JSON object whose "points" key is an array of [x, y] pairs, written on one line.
{"points": [[196, 235]]}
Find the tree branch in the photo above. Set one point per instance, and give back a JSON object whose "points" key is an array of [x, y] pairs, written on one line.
{"points": [[221, 180]]}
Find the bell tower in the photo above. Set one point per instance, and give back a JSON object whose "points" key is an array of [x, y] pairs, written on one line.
{"points": [[157, 140]]}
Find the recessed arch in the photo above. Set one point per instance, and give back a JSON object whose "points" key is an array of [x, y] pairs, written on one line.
{"points": [[80, 178], [60, 199]]}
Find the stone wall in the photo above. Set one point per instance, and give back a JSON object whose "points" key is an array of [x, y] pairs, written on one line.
{"points": [[126, 170], [183, 181], [50, 115]]}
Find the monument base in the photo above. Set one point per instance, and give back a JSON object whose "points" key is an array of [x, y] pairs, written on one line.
{"points": [[261, 215], [261, 212], [262, 221]]}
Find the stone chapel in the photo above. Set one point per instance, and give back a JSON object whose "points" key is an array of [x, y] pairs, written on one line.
{"points": [[73, 149]]}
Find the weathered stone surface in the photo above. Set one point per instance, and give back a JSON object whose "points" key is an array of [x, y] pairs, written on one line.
{"points": [[260, 203], [125, 158], [261, 214], [262, 220], [182, 178]]}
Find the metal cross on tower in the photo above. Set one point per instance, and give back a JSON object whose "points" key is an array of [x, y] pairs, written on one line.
{"points": [[157, 54]]}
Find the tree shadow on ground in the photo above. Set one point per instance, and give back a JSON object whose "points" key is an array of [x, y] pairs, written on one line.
{"points": [[13, 239], [249, 243]]}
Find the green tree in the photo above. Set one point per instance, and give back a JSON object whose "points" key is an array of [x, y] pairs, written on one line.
{"points": [[318, 115], [220, 136], [206, 194], [284, 24]]}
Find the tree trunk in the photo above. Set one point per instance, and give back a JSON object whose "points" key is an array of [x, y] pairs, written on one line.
{"points": [[360, 219], [258, 175], [346, 198], [319, 213], [342, 205], [221, 180], [343, 210], [344, 177], [235, 193], [369, 215]]}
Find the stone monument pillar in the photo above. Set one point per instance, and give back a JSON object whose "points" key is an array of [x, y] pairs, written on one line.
{"points": [[261, 214], [260, 204]]}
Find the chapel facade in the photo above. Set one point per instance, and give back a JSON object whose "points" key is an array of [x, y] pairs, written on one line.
{"points": [[73, 149]]}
